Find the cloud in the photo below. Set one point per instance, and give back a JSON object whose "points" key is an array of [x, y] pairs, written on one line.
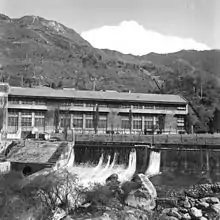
{"points": [[131, 37]]}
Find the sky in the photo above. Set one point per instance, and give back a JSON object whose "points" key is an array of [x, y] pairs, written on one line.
{"points": [[131, 26]]}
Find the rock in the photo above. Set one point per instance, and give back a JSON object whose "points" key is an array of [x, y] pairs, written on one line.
{"points": [[140, 199], [147, 185], [166, 211], [203, 218], [59, 214], [112, 178], [199, 191], [169, 218], [174, 212], [129, 186], [183, 210], [213, 200], [186, 204], [202, 204], [196, 213], [67, 218], [186, 216], [216, 207]]}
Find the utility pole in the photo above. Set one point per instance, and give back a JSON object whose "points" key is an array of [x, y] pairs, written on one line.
{"points": [[94, 84], [201, 90]]}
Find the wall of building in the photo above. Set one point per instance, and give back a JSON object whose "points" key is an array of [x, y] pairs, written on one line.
{"points": [[26, 113]]}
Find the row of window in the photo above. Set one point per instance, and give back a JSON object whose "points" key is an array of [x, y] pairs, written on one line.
{"points": [[27, 102], [89, 123], [101, 105]]}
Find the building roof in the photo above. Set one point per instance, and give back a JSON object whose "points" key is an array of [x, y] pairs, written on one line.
{"points": [[96, 95]]}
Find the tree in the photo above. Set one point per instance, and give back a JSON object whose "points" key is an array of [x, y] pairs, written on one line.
{"points": [[96, 118], [60, 84], [53, 85], [57, 119], [130, 120], [170, 123], [161, 123], [113, 120], [215, 121]]}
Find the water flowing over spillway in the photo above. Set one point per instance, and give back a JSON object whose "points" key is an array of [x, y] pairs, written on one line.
{"points": [[89, 174], [154, 164], [108, 163]]}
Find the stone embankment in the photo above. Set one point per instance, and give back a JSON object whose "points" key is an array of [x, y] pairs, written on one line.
{"points": [[132, 200], [198, 202]]}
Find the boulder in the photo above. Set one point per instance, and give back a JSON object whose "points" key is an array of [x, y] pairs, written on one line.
{"points": [[195, 213], [174, 212], [216, 208], [202, 204], [186, 216], [140, 199], [183, 210], [203, 218], [169, 218], [213, 200], [186, 203], [199, 191]]}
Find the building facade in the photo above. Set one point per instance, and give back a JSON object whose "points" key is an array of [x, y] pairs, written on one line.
{"points": [[47, 109]]}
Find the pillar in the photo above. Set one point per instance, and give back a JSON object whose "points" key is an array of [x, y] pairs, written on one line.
{"points": [[84, 122], [19, 120], [142, 122], [207, 160], [154, 122], [71, 121], [33, 119]]}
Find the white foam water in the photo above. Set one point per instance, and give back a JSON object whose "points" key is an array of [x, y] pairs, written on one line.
{"points": [[89, 174], [154, 164]]}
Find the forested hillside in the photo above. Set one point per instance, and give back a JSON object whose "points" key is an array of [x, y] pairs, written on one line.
{"points": [[35, 51]]}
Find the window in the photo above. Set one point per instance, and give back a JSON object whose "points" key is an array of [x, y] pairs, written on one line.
{"points": [[66, 103], [40, 102], [26, 113], [102, 122], [181, 108], [27, 102], [148, 122], [13, 122], [12, 113], [90, 105], [125, 123], [26, 122], [39, 122], [13, 101], [126, 106], [78, 104], [39, 114], [137, 123], [78, 121], [148, 106], [137, 106], [65, 120], [103, 106], [180, 121], [89, 121]]}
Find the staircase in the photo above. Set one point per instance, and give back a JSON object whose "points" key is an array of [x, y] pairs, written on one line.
{"points": [[56, 155]]}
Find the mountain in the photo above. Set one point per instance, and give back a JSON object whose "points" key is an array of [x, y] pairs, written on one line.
{"points": [[35, 51]]}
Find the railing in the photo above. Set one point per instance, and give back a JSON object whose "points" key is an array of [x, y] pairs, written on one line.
{"points": [[178, 139]]}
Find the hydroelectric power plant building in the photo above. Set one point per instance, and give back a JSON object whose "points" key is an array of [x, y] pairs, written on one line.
{"points": [[45, 108]]}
